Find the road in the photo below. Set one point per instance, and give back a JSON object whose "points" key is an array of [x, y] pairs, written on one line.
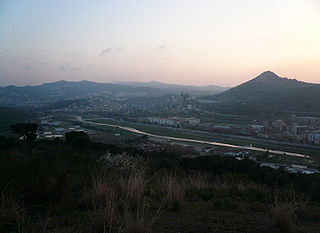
{"points": [[136, 131]]}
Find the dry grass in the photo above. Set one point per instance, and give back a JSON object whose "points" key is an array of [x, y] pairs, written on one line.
{"points": [[102, 205], [12, 213], [135, 221], [141, 219], [198, 180], [174, 185], [116, 203], [173, 188], [284, 209], [133, 187]]}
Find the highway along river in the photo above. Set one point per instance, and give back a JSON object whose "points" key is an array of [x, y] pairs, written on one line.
{"points": [[136, 131]]}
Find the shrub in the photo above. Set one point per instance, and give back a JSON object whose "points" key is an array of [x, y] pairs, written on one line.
{"points": [[229, 203], [207, 194], [225, 203], [257, 206], [219, 204], [311, 213], [253, 194], [79, 140], [122, 161]]}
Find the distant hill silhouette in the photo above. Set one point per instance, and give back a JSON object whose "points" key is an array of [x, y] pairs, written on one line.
{"points": [[64, 90], [268, 91], [200, 90]]}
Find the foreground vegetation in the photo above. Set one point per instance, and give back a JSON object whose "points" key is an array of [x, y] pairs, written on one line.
{"points": [[80, 186]]}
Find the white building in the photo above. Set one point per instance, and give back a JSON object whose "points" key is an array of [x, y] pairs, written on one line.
{"points": [[174, 121], [314, 137]]}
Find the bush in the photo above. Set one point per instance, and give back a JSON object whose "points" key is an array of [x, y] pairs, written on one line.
{"points": [[257, 206], [229, 203], [253, 194], [311, 213], [207, 194], [219, 204], [225, 204], [78, 140]]}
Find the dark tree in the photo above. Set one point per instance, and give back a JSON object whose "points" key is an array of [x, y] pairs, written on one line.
{"points": [[78, 139], [27, 130]]}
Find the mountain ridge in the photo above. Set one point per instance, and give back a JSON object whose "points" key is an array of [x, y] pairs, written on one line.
{"points": [[64, 90]]}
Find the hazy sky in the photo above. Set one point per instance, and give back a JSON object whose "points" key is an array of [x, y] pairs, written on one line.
{"points": [[197, 42]]}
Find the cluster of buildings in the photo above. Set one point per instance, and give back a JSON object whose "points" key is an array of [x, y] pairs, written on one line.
{"points": [[94, 104], [299, 129], [174, 121], [182, 104], [293, 168], [54, 129]]}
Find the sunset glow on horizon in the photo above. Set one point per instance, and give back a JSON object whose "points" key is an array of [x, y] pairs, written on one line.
{"points": [[188, 42]]}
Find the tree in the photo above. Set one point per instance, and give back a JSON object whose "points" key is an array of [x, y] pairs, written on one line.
{"points": [[77, 139], [26, 130]]}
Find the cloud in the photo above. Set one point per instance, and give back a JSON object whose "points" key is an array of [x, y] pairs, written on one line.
{"points": [[43, 64], [27, 67], [90, 65], [110, 50]]}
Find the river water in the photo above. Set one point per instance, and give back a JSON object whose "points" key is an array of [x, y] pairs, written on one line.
{"points": [[133, 130]]}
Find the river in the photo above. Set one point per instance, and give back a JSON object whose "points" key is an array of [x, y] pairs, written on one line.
{"points": [[252, 148]]}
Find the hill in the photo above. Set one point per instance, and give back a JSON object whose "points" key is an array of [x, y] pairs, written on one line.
{"points": [[268, 91], [196, 90], [64, 90]]}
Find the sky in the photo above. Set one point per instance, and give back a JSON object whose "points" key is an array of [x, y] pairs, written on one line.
{"points": [[194, 42]]}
